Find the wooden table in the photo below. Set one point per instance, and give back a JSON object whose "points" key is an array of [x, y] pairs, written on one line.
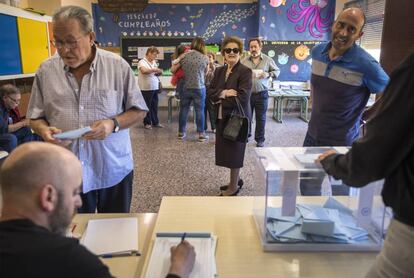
{"points": [[239, 252], [282, 95], [124, 267]]}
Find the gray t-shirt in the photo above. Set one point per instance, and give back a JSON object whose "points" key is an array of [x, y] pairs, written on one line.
{"points": [[194, 65]]}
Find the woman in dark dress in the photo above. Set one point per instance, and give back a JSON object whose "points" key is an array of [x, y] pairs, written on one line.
{"points": [[230, 81]]}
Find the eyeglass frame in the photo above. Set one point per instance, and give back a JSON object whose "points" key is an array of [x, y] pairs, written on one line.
{"points": [[16, 101], [235, 50], [69, 45]]}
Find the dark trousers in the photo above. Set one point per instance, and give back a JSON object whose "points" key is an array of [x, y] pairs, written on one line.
{"points": [[115, 199], [258, 103], [311, 183], [151, 99], [8, 142], [211, 109]]}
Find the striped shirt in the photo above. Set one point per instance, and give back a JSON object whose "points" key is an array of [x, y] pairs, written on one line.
{"points": [[109, 89]]}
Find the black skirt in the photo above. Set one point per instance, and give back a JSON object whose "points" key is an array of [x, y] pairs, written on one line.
{"points": [[229, 154]]}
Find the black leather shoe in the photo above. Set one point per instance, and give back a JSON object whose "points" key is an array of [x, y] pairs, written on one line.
{"points": [[234, 194], [240, 184]]}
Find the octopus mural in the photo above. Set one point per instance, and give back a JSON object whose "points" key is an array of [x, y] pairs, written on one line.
{"points": [[309, 13]]}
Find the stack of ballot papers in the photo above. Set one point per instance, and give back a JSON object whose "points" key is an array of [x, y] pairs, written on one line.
{"points": [[112, 237], [205, 248], [330, 223]]}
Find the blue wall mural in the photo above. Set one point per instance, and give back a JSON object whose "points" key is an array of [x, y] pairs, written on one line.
{"points": [[301, 20], [211, 21]]}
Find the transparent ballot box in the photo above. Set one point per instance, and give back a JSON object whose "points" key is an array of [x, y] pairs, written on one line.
{"points": [[303, 209]]}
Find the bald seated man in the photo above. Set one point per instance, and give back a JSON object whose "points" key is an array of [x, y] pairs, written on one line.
{"points": [[40, 184]]}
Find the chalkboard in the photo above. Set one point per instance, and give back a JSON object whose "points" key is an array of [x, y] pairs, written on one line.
{"points": [[131, 46], [292, 57]]}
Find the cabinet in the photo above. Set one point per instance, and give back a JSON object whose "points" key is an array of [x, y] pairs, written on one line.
{"points": [[9, 46]]}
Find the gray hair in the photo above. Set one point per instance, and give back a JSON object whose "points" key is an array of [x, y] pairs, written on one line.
{"points": [[8, 89], [74, 12]]}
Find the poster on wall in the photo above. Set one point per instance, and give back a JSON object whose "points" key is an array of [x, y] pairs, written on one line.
{"points": [[299, 20], [292, 57], [210, 21]]}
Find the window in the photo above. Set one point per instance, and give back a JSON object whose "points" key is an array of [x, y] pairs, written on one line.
{"points": [[374, 12]]}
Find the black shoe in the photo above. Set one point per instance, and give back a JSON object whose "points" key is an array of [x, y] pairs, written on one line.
{"points": [[239, 183], [260, 144], [233, 194]]}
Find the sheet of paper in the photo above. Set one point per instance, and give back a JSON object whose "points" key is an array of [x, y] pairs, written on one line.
{"points": [[159, 263], [72, 134], [111, 235], [276, 213]]}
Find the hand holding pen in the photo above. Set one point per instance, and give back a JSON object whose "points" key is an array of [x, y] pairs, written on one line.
{"points": [[182, 258]]}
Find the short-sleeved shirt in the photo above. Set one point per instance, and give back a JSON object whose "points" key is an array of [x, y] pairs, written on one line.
{"points": [[147, 82], [340, 91], [194, 65], [267, 65], [29, 250], [109, 89]]}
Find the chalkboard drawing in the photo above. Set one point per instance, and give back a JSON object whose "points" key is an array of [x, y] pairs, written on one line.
{"points": [[309, 61], [301, 52], [277, 3], [271, 53], [294, 68], [309, 12], [282, 58], [272, 25], [263, 19], [227, 17], [234, 27], [244, 29]]}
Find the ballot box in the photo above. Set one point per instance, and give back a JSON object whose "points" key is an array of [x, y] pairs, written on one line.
{"points": [[300, 208]]}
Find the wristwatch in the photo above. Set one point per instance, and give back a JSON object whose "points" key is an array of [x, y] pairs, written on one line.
{"points": [[116, 125]]}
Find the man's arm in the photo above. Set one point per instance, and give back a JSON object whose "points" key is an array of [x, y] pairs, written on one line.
{"points": [[274, 70], [42, 128], [18, 125]]}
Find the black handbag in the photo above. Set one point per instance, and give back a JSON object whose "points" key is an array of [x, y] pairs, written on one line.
{"points": [[237, 126]]}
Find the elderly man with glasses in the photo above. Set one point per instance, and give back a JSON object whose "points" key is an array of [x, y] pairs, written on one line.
{"points": [[84, 86], [12, 133]]}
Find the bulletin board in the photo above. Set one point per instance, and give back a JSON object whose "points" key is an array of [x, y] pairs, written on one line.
{"points": [[292, 57], [131, 46]]}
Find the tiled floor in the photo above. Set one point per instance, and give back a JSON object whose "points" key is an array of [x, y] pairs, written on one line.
{"points": [[166, 166]]}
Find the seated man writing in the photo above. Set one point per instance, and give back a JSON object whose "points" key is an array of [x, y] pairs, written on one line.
{"points": [[40, 184]]}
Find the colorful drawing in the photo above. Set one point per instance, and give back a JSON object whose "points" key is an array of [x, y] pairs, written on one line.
{"points": [[301, 52], [282, 58], [309, 12], [294, 68], [271, 53], [277, 3]]}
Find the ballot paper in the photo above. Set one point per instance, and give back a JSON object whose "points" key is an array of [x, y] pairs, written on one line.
{"points": [[204, 266], [112, 236], [72, 134], [330, 223], [307, 160]]}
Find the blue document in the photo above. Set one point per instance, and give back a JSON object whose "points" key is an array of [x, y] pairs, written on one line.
{"points": [[72, 134]]}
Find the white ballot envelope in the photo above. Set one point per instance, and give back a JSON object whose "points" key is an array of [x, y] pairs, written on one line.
{"points": [[72, 134]]}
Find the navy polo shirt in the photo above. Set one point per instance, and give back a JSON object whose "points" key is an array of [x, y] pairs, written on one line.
{"points": [[340, 92]]}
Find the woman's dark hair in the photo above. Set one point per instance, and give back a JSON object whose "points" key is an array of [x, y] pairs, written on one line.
{"points": [[233, 39]]}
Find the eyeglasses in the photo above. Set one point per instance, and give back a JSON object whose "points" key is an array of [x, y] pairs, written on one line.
{"points": [[68, 44], [17, 101], [229, 50]]}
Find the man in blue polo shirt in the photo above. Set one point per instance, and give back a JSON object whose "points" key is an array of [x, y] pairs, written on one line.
{"points": [[343, 77]]}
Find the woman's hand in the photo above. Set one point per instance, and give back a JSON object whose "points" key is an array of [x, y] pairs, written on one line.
{"points": [[230, 93]]}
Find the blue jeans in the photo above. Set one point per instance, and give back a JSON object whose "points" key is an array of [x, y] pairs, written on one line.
{"points": [[198, 96], [258, 103], [8, 142], [151, 99]]}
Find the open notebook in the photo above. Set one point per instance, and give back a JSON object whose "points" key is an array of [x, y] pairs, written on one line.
{"points": [[205, 246], [112, 237]]}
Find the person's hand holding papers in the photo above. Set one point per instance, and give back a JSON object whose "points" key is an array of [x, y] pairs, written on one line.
{"points": [[325, 155]]}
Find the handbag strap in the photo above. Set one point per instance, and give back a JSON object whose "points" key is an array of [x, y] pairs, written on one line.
{"points": [[239, 106]]}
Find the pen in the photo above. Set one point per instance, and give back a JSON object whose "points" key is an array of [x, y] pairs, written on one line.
{"points": [[121, 254], [73, 228], [183, 237]]}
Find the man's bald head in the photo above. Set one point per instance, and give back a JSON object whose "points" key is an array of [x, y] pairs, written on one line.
{"points": [[35, 164], [356, 12]]}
